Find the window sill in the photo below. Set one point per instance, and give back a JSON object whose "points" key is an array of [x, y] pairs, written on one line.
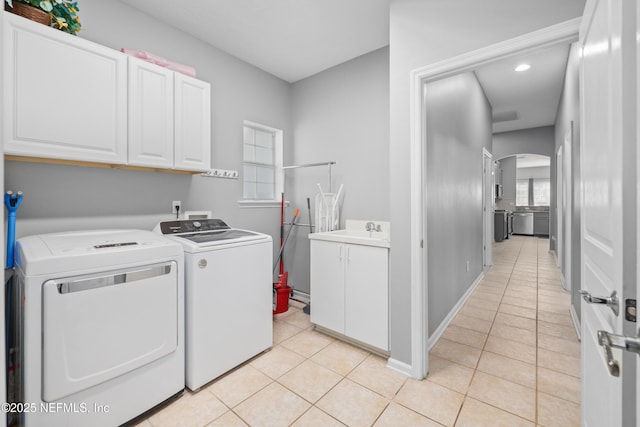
{"points": [[261, 203]]}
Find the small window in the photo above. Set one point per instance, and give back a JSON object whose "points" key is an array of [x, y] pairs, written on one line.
{"points": [[541, 192], [262, 154], [522, 192]]}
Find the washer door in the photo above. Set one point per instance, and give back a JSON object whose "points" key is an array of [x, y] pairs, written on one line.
{"points": [[100, 326]]}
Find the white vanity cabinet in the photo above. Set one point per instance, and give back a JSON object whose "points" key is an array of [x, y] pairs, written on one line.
{"points": [[350, 291], [150, 126], [192, 123], [65, 98]]}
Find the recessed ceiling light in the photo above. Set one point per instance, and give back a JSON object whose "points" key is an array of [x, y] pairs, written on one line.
{"points": [[523, 67]]}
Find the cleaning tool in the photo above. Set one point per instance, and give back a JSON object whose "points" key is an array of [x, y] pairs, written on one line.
{"points": [[293, 223], [281, 231], [12, 202], [281, 289], [309, 212]]}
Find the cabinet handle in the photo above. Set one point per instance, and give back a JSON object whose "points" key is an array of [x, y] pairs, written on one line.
{"points": [[340, 256], [348, 257]]}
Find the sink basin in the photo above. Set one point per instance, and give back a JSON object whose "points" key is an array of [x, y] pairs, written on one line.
{"points": [[356, 236]]}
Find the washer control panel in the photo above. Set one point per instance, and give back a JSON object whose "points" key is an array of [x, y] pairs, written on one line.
{"points": [[191, 226]]}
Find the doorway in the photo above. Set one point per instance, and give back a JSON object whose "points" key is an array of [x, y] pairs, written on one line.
{"points": [[564, 33]]}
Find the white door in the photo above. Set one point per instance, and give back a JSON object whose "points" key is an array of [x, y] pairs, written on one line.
{"points": [[366, 315], [150, 127], [638, 206], [327, 284], [608, 204], [68, 97], [566, 211], [559, 218], [192, 124], [487, 207]]}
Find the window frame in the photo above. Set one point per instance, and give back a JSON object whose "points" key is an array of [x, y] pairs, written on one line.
{"points": [[530, 191], [278, 155]]}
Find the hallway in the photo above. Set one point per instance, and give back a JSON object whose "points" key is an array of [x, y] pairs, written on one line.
{"points": [[511, 354]]}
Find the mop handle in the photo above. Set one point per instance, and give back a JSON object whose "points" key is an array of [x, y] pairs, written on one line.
{"points": [[293, 222], [12, 202]]}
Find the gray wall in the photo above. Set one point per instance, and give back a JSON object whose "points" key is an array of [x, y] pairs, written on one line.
{"points": [[458, 127], [508, 171], [569, 111], [341, 115], [424, 33], [65, 197]]}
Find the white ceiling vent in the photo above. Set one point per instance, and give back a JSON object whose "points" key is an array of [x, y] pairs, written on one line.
{"points": [[505, 116]]}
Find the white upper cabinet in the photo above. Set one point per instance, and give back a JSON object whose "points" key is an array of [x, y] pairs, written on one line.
{"points": [[192, 124], [71, 99], [150, 115], [66, 98]]}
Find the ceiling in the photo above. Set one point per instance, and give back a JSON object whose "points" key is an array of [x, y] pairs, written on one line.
{"points": [[531, 96], [294, 39], [291, 39]]}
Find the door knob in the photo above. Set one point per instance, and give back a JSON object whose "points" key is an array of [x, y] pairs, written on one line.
{"points": [[610, 301], [608, 340]]}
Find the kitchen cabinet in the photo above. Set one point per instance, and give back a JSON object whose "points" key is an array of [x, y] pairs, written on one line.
{"points": [[151, 114], [66, 97], [541, 223], [349, 290], [192, 123]]}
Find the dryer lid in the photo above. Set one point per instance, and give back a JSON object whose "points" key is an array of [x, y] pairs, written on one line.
{"points": [[81, 250]]}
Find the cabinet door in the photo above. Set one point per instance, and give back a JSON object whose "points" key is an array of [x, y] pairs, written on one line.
{"points": [[192, 124], [65, 97], [150, 114], [327, 285], [367, 295]]}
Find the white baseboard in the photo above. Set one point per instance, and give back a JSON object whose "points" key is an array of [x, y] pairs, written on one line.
{"points": [[563, 282], [433, 339], [299, 295], [399, 366], [576, 321]]}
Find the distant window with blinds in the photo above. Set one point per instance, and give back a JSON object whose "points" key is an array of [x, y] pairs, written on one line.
{"points": [[522, 192], [262, 155], [541, 192]]}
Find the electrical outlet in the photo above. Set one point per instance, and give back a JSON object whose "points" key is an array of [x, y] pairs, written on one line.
{"points": [[176, 206]]}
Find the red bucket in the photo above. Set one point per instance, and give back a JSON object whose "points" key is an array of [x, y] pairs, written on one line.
{"points": [[281, 292]]}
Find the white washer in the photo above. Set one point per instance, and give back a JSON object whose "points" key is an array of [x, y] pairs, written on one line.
{"points": [[102, 325], [229, 295]]}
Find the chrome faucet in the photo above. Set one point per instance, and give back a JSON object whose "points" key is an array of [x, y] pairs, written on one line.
{"points": [[370, 226]]}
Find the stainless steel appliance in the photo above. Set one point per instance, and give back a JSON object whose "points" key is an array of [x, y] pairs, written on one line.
{"points": [[523, 223]]}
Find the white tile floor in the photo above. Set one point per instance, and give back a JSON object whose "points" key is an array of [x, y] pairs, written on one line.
{"points": [[509, 358]]}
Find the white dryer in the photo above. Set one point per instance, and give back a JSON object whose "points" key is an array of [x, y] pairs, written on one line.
{"points": [[229, 295], [102, 326]]}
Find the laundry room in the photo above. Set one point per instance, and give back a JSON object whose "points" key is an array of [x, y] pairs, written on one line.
{"points": [[243, 186], [337, 117]]}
